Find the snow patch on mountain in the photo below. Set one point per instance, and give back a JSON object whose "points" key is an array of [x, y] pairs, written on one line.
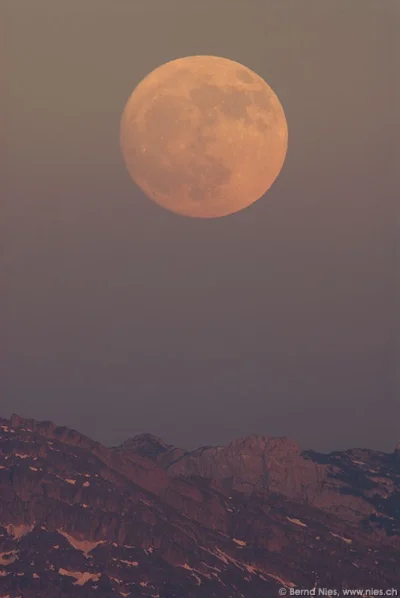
{"points": [[347, 540], [81, 577], [18, 531], [84, 546], [296, 521]]}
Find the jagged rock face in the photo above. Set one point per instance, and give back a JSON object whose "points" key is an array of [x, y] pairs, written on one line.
{"points": [[354, 484], [80, 520], [246, 465]]}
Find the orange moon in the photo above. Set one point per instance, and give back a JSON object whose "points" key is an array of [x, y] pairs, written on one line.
{"points": [[203, 136]]}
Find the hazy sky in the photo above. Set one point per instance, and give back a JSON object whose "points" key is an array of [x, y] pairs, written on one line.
{"points": [[120, 317]]}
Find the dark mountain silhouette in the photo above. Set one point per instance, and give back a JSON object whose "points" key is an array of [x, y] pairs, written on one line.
{"points": [[147, 519]]}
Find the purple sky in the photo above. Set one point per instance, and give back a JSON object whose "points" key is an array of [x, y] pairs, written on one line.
{"points": [[120, 317]]}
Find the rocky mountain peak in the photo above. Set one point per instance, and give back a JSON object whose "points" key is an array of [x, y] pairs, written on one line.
{"points": [[151, 447], [247, 464], [145, 444]]}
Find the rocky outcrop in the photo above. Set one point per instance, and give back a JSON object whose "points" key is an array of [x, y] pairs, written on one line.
{"points": [[151, 447], [355, 485], [81, 519], [246, 465]]}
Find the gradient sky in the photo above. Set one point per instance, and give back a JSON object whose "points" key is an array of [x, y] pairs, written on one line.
{"points": [[120, 317]]}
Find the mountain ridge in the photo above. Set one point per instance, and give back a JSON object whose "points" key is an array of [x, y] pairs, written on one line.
{"points": [[149, 519]]}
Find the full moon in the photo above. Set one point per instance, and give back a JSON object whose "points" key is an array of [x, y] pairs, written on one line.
{"points": [[203, 136]]}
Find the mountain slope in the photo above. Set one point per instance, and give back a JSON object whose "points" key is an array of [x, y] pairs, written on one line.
{"points": [[147, 519]]}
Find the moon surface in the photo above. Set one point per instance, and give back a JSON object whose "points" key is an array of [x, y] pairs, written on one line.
{"points": [[203, 136]]}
